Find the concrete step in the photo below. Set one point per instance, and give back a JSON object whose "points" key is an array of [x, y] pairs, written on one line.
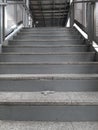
{"points": [[48, 57], [66, 42], [49, 82], [46, 48], [49, 106], [49, 98], [48, 75], [48, 34], [49, 31], [31, 125], [47, 38], [48, 28], [47, 68]]}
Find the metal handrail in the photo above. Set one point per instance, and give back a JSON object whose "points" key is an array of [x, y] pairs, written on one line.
{"points": [[26, 8], [21, 3], [86, 1], [15, 2], [90, 27], [2, 28], [3, 3]]}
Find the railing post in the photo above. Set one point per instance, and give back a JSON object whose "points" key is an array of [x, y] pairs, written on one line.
{"points": [[90, 22], [2, 21], [72, 14], [24, 17]]}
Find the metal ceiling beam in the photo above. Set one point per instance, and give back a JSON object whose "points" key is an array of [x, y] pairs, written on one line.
{"points": [[50, 11], [49, 14], [48, 19], [47, 4], [59, 1], [45, 9], [39, 17]]}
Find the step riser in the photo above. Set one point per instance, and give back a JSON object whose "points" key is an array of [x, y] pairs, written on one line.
{"points": [[67, 42], [48, 69], [47, 58], [48, 85], [49, 113], [45, 49]]}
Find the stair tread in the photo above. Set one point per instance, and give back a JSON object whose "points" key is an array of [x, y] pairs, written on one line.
{"points": [[49, 30], [46, 40], [48, 63], [44, 46], [48, 34], [49, 27], [28, 125], [70, 84], [48, 53], [45, 49], [52, 37], [49, 98]]}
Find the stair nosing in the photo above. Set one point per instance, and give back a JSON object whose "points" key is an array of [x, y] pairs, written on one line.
{"points": [[49, 76]]}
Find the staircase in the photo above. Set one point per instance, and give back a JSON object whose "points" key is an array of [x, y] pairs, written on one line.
{"points": [[48, 81]]}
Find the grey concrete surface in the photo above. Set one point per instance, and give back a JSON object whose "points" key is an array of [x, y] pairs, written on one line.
{"points": [[30, 125]]}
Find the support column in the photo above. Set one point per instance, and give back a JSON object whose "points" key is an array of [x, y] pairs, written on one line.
{"points": [[2, 21]]}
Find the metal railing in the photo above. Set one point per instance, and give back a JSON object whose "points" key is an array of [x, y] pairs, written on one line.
{"points": [[85, 14], [13, 13]]}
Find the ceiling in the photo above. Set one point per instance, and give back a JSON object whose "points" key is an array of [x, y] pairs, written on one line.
{"points": [[49, 12]]}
